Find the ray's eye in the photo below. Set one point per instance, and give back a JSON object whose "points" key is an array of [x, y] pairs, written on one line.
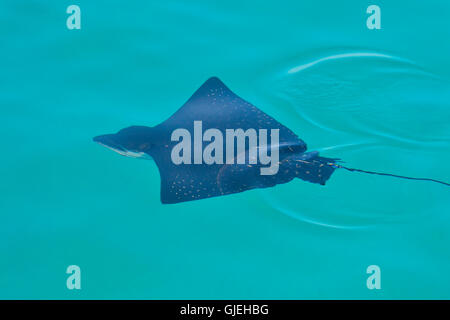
{"points": [[143, 146]]}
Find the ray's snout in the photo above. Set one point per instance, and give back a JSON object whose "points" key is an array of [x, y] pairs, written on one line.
{"points": [[104, 139], [108, 140]]}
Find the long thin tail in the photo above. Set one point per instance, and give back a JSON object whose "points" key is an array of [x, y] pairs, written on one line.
{"points": [[388, 174]]}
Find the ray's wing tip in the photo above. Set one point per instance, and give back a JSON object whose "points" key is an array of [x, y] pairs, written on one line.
{"points": [[164, 200], [214, 81]]}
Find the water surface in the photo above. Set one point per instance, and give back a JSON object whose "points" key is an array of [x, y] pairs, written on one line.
{"points": [[378, 99]]}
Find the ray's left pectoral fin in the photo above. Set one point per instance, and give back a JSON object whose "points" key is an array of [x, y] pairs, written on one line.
{"points": [[189, 183], [196, 184]]}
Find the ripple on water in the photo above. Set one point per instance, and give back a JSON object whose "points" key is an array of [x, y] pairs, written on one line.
{"points": [[368, 94], [388, 115]]}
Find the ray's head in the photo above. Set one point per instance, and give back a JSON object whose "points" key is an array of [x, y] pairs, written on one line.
{"points": [[134, 141]]}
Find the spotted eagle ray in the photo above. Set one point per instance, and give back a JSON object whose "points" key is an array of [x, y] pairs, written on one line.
{"points": [[216, 107]]}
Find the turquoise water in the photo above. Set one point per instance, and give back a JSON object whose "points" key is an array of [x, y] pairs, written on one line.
{"points": [[378, 99]]}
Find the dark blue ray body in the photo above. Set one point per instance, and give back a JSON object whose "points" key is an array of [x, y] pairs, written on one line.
{"points": [[219, 108]]}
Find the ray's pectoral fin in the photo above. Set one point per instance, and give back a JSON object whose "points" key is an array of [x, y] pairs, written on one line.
{"points": [[188, 183]]}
